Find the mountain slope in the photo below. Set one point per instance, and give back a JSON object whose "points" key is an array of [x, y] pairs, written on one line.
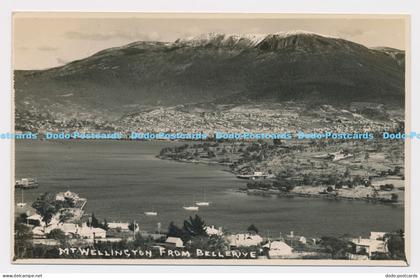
{"points": [[217, 68]]}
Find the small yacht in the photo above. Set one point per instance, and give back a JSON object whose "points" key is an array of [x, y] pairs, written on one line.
{"points": [[150, 213], [21, 204], [202, 204], [191, 208]]}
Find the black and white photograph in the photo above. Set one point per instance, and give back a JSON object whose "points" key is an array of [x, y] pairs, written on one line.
{"points": [[210, 138]]}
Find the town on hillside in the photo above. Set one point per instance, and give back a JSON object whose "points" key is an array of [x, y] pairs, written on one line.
{"points": [[370, 170]]}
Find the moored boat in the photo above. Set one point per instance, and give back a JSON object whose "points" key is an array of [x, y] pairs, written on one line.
{"points": [[202, 204], [256, 175], [26, 183], [21, 204], [191, 208]]}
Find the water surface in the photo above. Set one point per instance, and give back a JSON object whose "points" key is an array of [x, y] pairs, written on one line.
{"points": [[122, 179]]}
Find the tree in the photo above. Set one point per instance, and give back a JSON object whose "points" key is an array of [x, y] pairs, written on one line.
{"points": [[57, 234], [394, 197], [252, 229], [336, 247], [195, 226], [22, 218], [330, 189], [213, 244], [23, 235], [69, 202], [93, 222], [347, 172], [46, 206], [174, 230], [65, 216], [105, 225], [395, 244], [142, 242], [133, 226]]}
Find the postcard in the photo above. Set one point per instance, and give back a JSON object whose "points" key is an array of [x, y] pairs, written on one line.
{"points": [[239, 139]]}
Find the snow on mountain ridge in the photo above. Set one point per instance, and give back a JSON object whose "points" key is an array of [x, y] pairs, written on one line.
{"points": [[250, 40]]}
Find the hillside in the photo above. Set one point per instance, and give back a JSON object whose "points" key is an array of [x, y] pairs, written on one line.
{"points": [[216, 68]]}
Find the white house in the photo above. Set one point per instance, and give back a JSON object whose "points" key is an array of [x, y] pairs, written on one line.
{"points": [[90, 232], [211, 230], [74, 230], [370, 245], [377, 235], [175, 241], [244, 240], [278, 249], [119, 225], [61, 196]]}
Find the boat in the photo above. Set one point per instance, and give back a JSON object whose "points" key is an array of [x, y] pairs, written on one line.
{"points": [[21, 204], [26, 183], [150, 213], [202, 204], [191, 208], [256, 175]]}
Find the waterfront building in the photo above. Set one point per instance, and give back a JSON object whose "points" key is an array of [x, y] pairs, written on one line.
{"points": [[119, 225]]}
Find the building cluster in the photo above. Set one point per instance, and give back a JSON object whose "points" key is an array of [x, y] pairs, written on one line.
{"points": [[286, 246]]}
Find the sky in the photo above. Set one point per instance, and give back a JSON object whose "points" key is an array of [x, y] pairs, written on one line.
{"points": [[48, 40]]}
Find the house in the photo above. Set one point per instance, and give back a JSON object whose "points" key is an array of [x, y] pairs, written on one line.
{"points": [[61, 196], [278, 249], [74, 230], [119, 225], [357, 257], [377, 235], [35, 219], [244, 240], [370, 245], [211, 230], [174, 242], [45, 241], [78, 202], [38, 232], [293, 237], [90, 232], [67, 228]]}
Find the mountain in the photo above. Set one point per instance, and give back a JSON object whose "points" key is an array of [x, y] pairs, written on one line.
{"points": [[216, 68]]}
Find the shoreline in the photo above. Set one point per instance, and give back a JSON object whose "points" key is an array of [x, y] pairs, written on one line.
{"points": [[289, 194], [280, 193]]}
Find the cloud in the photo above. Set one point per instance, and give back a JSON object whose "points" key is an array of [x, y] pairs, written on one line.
{"points": [[74, 35], [47, 48]]}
